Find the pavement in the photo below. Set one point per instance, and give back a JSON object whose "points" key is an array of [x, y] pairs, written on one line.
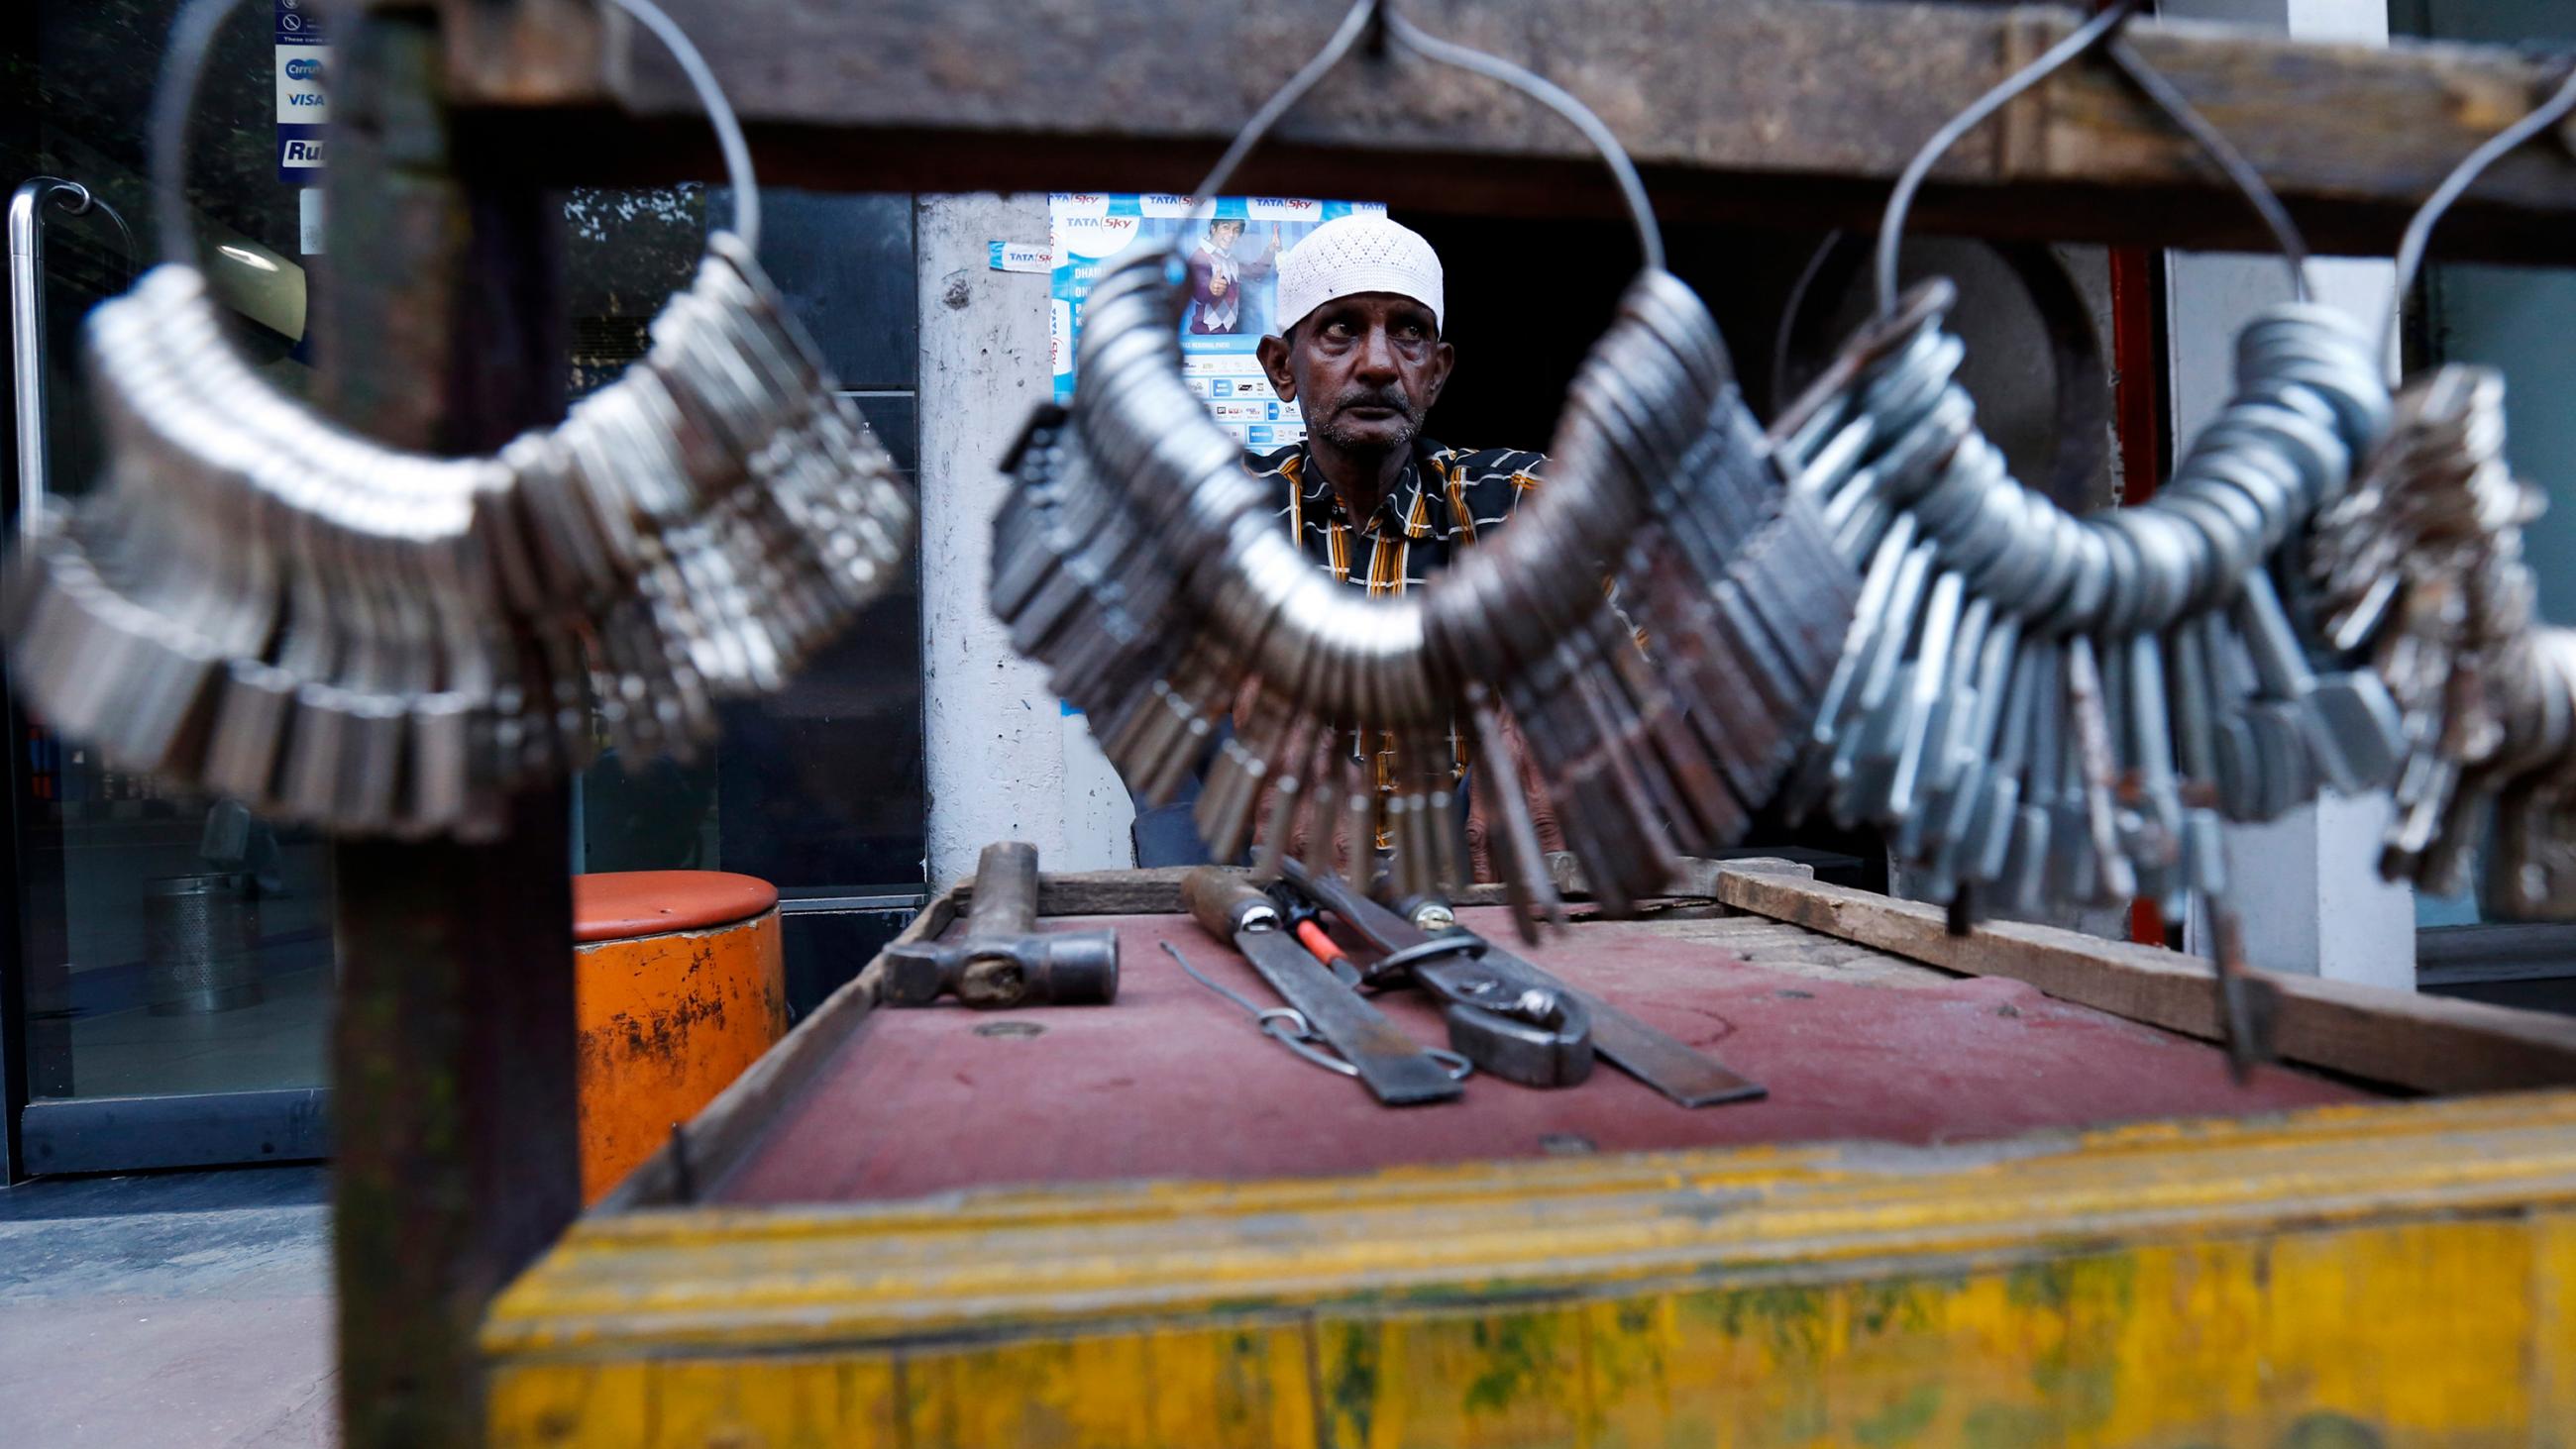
{"points": [[167, 1309]]}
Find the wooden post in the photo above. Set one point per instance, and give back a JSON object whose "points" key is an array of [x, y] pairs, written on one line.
{"points": [[456, 1155]]}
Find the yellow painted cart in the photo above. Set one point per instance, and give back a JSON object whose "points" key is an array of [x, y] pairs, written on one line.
{"points": [[2381, 1254]]}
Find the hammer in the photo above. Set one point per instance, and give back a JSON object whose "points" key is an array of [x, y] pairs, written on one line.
{"points": [[1005, 960]]}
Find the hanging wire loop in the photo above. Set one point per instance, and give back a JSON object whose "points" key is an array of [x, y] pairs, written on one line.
{"points": [[2419, 229], [1374, 22], [1891, 226], [2102, 32]]}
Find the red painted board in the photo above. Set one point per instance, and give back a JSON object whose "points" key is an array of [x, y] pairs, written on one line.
{"points": [[1173, 1081]]}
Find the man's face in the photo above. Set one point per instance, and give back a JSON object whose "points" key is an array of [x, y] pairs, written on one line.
{"points": [[1365, 369], [1222, 234]]}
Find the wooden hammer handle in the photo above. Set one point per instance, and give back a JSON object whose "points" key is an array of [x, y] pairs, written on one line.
{"points": [[1222, 901]]}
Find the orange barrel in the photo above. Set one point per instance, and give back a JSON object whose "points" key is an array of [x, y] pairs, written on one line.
{"points": [[678, 984]]}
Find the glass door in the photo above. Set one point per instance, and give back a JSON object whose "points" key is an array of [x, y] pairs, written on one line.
{"points": [[168, 988]]}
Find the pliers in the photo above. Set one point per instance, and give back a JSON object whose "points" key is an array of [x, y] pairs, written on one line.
{"points": [[1500, 1017]]}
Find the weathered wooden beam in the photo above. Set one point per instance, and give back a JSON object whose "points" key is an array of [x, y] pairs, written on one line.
{"points": [[2428, 1043], [1777, 111], [456, 1152]]}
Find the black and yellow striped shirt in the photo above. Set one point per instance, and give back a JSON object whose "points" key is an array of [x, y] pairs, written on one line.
{"points": [[1444, 499]]}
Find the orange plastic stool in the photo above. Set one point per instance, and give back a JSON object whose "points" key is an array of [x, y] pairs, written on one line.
{"points": [[678, 984]]}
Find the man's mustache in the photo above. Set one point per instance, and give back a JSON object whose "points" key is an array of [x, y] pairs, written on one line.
{"points": [[1393, 401]]}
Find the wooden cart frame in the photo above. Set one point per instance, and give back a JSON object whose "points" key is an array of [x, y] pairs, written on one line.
{"points": [[452, 1071], [2400, 1274]]}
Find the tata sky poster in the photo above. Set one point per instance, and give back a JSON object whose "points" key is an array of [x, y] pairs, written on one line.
{"points": [[1233, 259]]}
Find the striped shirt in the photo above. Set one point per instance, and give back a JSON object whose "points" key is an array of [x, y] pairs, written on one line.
{"points": [[1441, 502], [1445, 499]]}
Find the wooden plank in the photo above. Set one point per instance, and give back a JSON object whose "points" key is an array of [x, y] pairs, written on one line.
{"points": [[1796, 951], [1157, 891], [1004, 1266], [1777, 111], [715, 1141], [2421, 1331], [2427, 1043], [456, 1158]]}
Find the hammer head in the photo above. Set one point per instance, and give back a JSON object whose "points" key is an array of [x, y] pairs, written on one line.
{"points": [[1070, 968]]}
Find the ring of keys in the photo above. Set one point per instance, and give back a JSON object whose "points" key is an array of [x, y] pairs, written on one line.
{"points": [[2062, 709], [2421, 571], [1138, 561], [262, 605]]}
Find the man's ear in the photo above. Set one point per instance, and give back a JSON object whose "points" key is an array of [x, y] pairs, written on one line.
{"points": [[1273, 352], [1436, 376]]}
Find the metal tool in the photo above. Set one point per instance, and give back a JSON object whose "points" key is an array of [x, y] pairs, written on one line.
{"points": [[1306, 923], [1689, 1077], [1396, 1070], [1514, 1026], [1289, 1027], [1005, 960]]}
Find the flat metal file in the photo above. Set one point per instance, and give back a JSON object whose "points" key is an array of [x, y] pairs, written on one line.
{"points": [[1692, 1078], [1396, 1070]]}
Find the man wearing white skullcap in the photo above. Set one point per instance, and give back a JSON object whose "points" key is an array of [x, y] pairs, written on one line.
{"points": [[1359, 351], [1366, 496]]}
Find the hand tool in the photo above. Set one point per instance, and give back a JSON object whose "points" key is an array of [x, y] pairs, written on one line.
{"points": [[1691, 1078], [1005, 960], [1306, 923], [1396, 1071], [1503, 1014], [1289, 1027]]}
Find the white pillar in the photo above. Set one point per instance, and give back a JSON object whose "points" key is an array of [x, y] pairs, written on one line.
{"points": [[2307, 885], [1003, 759]]}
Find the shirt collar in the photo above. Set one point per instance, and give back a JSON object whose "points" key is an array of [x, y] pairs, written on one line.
{"points": [[1392, 508]]}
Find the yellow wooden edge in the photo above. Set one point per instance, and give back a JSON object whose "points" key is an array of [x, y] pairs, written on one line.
{"points": [[1027, 1263], [1467, 1183]]}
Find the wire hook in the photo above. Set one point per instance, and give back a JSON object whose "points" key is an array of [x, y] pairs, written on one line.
{"points": [[2419, 229], [1377, 22], [2102, 31], [1891, 225]]}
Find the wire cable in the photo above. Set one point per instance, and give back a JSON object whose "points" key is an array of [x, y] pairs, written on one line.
{"points": [[2419, 230], [1891, 227], [2239, 171]]}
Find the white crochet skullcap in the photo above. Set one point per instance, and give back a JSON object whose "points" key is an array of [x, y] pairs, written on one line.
{"points": [[1352, 254]]}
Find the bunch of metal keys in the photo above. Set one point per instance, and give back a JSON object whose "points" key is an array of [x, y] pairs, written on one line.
{"points": [[1137, 559], [268, 607], [2061, 710], [2421, 570]]}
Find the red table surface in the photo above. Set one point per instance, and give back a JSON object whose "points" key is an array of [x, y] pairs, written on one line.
{"points": [[1173, 1080]]}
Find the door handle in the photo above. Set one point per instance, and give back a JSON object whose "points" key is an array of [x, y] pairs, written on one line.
{"points": [[27, 321]]}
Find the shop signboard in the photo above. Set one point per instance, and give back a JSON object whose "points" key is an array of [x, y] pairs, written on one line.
{"points": [[1232, 252]]}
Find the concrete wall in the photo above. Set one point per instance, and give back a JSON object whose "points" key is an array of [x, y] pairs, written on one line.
{"points": [[2307, 885], [1005, 761]]}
